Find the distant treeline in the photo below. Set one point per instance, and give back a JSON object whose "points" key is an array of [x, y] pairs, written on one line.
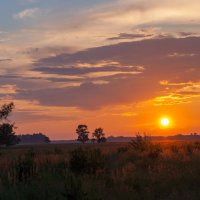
{"points": [[192, 136], [33, 138]]}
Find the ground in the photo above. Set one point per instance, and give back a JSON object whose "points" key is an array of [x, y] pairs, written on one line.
{"points": [[142, 169]]}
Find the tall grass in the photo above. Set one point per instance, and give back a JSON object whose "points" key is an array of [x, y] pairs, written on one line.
{"points": [[139, 170]]}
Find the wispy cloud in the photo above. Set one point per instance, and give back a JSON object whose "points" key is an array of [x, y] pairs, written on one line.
{"points": [[8, 89], [27, 13]]}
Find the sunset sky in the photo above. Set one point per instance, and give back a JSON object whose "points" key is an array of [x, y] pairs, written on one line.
{"points": [[118, 64]]}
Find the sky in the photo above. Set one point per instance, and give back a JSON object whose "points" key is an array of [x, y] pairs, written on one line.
{"points": [[121, 65]]}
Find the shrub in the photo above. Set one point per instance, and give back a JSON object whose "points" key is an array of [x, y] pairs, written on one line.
{"points": [[140, 143], [86, 161]]}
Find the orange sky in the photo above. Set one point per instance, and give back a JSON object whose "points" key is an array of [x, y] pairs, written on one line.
{"points": [[119, 66]]}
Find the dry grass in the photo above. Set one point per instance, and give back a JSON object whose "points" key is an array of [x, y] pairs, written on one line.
{"points": [[146, 170]]}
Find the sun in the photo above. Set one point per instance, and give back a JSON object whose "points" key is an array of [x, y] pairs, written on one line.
{"points": [[165, 122]]}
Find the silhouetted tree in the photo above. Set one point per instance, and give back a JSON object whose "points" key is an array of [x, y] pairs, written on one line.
{"points": [[99, 135], [5, 110], [46, 139], [7, 134], [82, 132]]}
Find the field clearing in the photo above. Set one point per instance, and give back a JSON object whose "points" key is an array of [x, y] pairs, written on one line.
{"points": [[138, 170]]}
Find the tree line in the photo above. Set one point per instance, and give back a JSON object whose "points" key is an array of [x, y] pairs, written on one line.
{"points": [[35, 138], [8, 137], [7, 130], [83, 134]]}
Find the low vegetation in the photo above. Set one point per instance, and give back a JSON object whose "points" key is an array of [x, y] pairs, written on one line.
{"points": [[138, 170], [141, 169]]}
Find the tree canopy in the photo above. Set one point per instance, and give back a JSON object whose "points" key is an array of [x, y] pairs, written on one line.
{"points": [[7, 134], [99, 135], [82, 131], [5, 110]]}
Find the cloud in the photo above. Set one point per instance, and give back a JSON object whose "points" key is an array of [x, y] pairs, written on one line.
{"points": [[42, 52], [27, 13], [125, 17], [172, 99], [5, 59], [93, 78], [182, 54], [77, 70], [193, 89], [8, 89], [91, 96], [119, 89], [138, 13], [150, 33], [126, 36]]}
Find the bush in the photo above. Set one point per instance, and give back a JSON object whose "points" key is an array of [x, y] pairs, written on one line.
{"points": [[86, 161], [140, 144]]}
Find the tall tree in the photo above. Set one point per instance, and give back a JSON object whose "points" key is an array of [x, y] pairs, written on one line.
{"points": [[5, 110], [99, 135], [7, 134], [82, 131]]}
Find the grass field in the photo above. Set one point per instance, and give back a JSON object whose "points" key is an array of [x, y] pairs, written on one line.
{"points": [[141, 170]]}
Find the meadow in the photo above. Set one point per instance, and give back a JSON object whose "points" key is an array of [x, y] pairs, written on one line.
{"points": [[140, 170]]}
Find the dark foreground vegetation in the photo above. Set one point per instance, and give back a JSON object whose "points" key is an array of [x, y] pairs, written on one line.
{"points": [[140, 170]]}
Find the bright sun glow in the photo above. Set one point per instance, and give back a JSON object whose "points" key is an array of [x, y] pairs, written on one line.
{"points": [[165, 122]]}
